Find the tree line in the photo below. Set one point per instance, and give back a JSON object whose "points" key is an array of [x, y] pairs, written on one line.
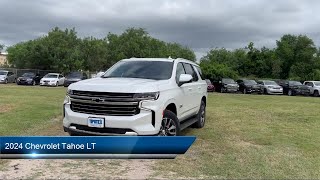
{"points": [[294, 57], [63, 51]]}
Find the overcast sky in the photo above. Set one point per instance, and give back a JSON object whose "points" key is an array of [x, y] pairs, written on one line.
{"points": [[198, 24]]}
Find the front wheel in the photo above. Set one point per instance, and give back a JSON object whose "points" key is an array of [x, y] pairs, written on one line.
{"points": [[170, 125], [6, 81], [316, 93], [290, 93], [201, 116]]}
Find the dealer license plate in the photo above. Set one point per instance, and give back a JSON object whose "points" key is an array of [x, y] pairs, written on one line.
{"points": [[96, 122]]}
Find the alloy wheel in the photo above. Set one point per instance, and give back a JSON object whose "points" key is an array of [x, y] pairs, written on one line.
{"points": [[168, 127]]}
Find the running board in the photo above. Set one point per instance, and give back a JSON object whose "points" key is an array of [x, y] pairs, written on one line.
{"points": [[188, 123]]}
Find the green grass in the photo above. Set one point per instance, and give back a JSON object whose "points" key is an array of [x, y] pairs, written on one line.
{"points": [[253, 136], [26, 109], [246, 136]]}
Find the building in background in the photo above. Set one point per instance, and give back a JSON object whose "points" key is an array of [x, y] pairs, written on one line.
{"points": [[3, 59]]}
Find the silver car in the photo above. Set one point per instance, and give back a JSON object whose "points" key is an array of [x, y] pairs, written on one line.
{"points": [[270, 87], [7, 77]]}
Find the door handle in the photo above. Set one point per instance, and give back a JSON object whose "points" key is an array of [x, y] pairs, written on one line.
{"points": [[189, 89], [199, 87]]}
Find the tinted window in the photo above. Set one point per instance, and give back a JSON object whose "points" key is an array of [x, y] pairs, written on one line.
{"points": [[295, 83], [208, 81], [157, 70], [200, 72], [75, 75], [179, 71], [28, 75], [3, 73], [50, 76], [190, 70], [228, 81], [250, 82]]}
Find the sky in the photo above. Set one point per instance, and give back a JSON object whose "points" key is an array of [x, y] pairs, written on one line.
{"points": [[198, 24]]}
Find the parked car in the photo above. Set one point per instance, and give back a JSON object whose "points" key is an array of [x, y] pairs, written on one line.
{"points": [[248, 86], [314, 87], [270, 87], [292, 88], [52, 79], [138, 96], [29, 78], [210, 86], [226, 85], [7, 77], [74, 77], [99, 74]]}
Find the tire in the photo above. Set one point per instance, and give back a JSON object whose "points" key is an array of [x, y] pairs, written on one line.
{"points": [[316, 94], [57, 84], [222, 90], [6, 81], [170, 125], [201, 116], [34, 83], [290, 93], [265, 91], [245, 91]]}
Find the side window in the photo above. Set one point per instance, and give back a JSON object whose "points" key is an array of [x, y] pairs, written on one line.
{"points": [[190, 70], [239, 81], [10, 73], [180, 70], [60, 76], [200, 72]]}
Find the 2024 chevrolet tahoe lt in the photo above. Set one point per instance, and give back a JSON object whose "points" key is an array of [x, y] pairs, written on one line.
{"points": [[138, 96]]}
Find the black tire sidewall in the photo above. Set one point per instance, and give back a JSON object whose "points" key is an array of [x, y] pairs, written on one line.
{"points": [[198, 123], [169, 114], [316, 93]]}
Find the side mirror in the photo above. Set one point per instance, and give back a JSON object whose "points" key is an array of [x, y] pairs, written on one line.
{"points": [[185, 78]]}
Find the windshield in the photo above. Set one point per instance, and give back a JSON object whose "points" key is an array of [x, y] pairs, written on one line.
{"points": [[3, 73], [28, 75], [317, 83], [270, 83], [75, 75], [295, 83], [51, 76], [250, 82], [157, 70], [208, 81], [228, 81]]}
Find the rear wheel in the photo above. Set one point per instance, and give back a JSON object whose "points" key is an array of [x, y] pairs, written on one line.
{"points": [[222, 90], [201, 116], [33, 83], [245, 91], [170, 125], [316, 93], [290, 93]]}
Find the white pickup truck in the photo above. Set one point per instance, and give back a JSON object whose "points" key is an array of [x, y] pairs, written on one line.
{"points": [[138, 96], [314, 87]]}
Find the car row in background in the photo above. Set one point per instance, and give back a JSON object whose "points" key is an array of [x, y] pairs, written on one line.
{"points": [[7, 77], [247, 86], [50, 79]]}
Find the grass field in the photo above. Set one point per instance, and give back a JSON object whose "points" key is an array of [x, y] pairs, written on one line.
{"points": [[246, 136]]}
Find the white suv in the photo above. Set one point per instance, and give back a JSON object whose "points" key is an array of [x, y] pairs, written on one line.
{"points": [[138, 96]]}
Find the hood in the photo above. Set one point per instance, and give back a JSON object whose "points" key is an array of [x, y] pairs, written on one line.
{"points": [[48, 79], [274, 86], [126, 85], [3, 76], [72, 79], [25, 78]]}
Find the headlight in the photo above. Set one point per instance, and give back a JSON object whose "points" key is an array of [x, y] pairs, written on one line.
{"points": [[53, 81], [147, 96], [69, 92], [270, 87], [66, 100]]}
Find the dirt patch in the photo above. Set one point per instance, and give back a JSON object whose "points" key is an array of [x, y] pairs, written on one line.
{"points": [[6, 108], [78, 169]]}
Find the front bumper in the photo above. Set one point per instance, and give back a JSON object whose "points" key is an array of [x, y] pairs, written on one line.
{"points": [[275, 91], [147, 122], [2, 80], [24, 82], [47, 84]]}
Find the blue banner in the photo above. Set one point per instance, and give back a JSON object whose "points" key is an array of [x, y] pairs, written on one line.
{"points": [[97, 146]]}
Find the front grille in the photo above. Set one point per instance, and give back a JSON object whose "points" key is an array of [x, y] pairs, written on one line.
{"points": [[104, 103], [102, 130]]}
